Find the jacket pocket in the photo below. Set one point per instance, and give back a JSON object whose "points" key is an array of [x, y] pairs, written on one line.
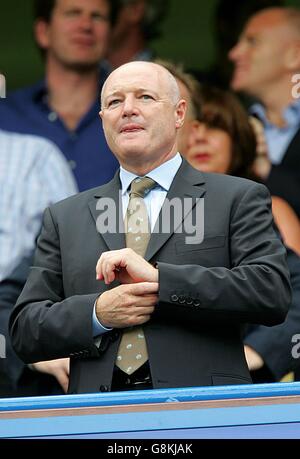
{"points": [[207, 243]]}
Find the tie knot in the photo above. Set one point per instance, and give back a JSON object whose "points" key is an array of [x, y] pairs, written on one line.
{"points": [[141, 186]]}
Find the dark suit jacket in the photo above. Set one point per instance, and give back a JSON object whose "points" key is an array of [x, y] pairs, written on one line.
{"points": [[11, 366], [237, 274], [15, 378], [275, 344], [284, 178]]}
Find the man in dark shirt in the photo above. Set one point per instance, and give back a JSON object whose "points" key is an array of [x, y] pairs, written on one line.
{"points": [[64, 106]]}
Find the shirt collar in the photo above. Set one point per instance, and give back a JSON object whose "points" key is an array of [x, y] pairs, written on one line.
{"points": [[40, 91], [163, 174], [291, 113]]}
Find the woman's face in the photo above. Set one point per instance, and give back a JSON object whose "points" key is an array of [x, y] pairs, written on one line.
{"points": [[207, 149]]}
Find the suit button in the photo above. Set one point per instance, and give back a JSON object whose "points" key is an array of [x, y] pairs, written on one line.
{"points": [[181, 299], [189, 301], [174, 298], [104, 388], [196, 303]]}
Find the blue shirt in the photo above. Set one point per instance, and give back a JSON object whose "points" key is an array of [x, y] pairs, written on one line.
{"points": [[163, 175], [33, 175], [279, 138], [27, 111]]}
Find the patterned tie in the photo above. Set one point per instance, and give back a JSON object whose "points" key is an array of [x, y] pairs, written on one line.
{"points": [[132, 353]]}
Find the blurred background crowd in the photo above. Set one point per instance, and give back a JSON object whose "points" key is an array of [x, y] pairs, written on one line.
{"points": [[234, 62]]}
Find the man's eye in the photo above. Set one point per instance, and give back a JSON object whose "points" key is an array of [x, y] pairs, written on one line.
{"points": [[146, 97], [252, 41], [100, 17], [113, 102]]}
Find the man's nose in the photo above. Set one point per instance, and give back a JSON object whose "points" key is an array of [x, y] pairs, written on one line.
{"points": [[86, 22], [235, 52], [129, 106], [199, 132]]}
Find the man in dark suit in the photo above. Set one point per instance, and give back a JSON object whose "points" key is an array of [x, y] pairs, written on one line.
{"points": [[11, 366], [267, 68], [16, 378], [213, 261]]}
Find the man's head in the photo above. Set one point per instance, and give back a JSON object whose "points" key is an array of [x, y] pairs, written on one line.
{"points": [[141, 113], [73, 32], [267, 53], [147, 14]]}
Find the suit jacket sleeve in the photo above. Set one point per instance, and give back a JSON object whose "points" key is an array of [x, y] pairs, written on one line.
{"points": [[11, 366], [275, 344], [55, 327], [255, 289]]}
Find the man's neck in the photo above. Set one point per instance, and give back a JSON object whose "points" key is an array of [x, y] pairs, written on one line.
{"points": [[70, 92], [142, 168], [275, 101]]}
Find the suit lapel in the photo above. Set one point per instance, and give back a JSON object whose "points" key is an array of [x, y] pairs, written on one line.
{"points": [[188, 184], [106, 209]]}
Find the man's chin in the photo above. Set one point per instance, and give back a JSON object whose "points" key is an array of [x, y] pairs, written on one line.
{"points": [[82, 66], [238, 83]]}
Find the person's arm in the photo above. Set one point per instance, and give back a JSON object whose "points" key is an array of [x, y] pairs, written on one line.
{"points": [[45, 325], [11, 366], [287, 222], [59, 368], [274, 344], [255, 290]]}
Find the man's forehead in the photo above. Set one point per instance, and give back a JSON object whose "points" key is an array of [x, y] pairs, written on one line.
{"points": [[95, 4], [131, 81], [266, 22]]}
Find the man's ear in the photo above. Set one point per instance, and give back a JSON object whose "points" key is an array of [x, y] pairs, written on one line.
{"points": [[101, 114], [180, 113], [292, 56], [41, 33]]}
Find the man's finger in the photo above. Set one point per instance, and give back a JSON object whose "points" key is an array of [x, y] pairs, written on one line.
{"points": [[142, 288]]}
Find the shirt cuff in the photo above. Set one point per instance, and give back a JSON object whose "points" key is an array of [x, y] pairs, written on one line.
{"points": [[98, 328]]}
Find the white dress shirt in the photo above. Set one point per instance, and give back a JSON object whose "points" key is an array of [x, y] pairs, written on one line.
{"points": [[33, 174], [163, 175]]}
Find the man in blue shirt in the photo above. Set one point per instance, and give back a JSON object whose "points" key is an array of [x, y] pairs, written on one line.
{"points": [[64, 106], [266, 60]]}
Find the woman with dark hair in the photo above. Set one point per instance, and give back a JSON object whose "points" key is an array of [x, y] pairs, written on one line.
{"points": [[221, 138]]}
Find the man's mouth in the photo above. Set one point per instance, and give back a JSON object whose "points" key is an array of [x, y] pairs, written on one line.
{"points": [[128, 128]]}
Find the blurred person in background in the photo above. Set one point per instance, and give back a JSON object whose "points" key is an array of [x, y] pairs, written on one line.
{"points": [[73, 37], [266, 61], [136, 24], [33, 175]]}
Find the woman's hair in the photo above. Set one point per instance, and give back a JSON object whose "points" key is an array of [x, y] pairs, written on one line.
{"points": [[222, 110]]}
